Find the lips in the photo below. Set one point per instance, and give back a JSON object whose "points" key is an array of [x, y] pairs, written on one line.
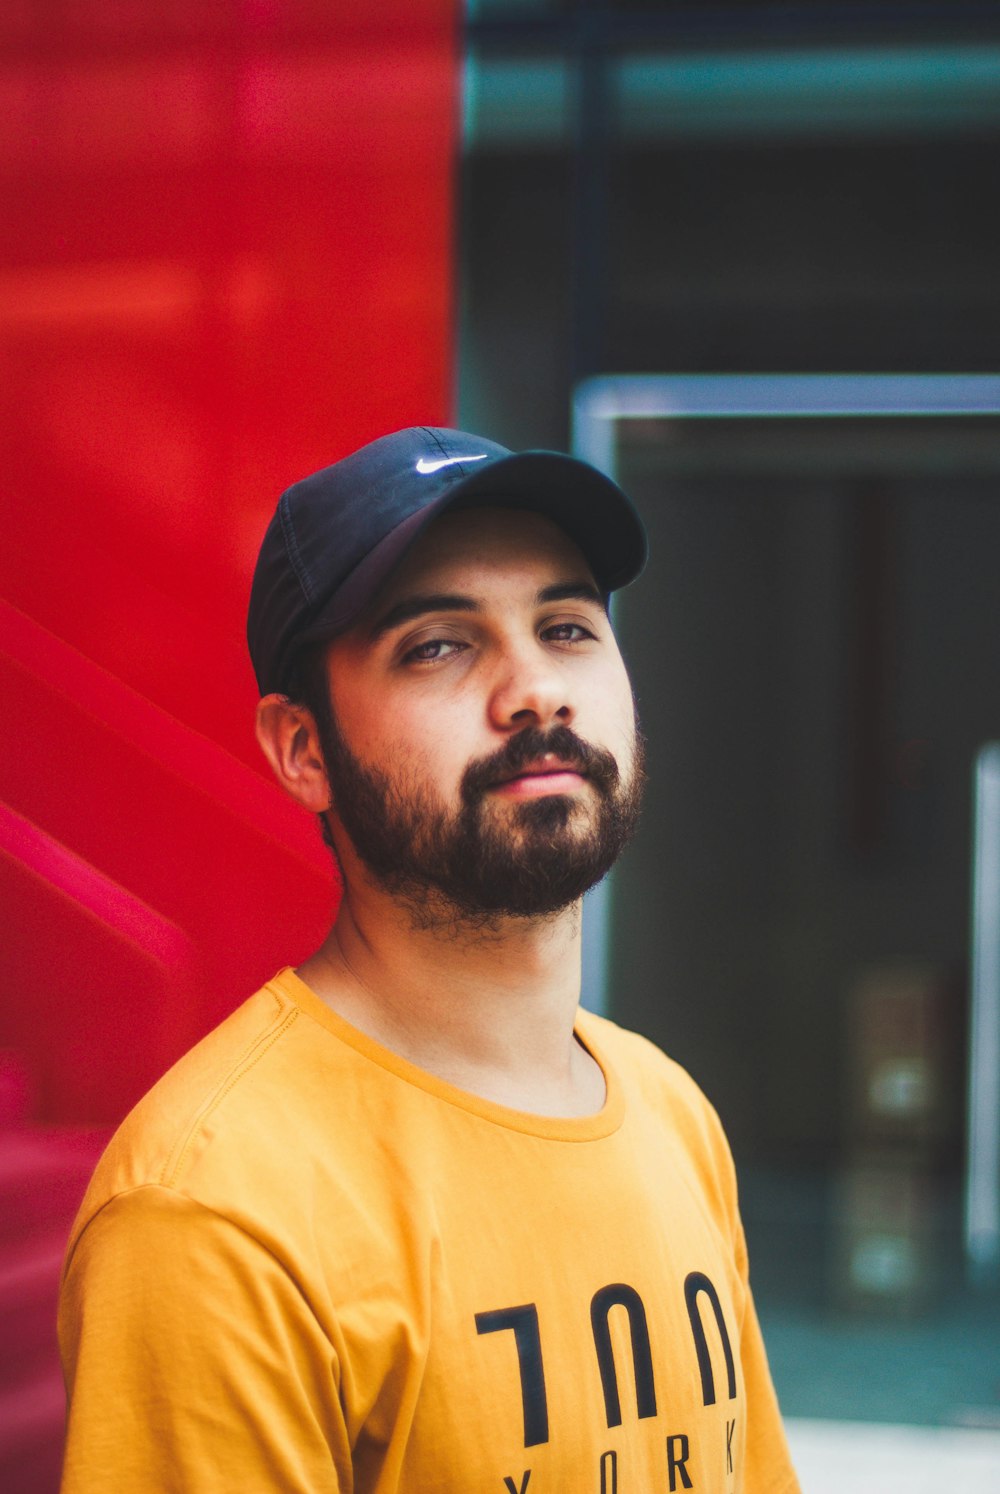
{"points": [[546, 768], [521, 768]]}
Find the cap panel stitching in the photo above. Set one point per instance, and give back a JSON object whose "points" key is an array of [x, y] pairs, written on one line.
{"points": [[292, 546], [432, 435]]}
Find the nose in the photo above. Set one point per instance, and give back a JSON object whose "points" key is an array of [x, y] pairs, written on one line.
{"points": [[530, 690]]}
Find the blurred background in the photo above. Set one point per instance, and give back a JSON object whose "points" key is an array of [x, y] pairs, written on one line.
{"points": [[242, 239]]}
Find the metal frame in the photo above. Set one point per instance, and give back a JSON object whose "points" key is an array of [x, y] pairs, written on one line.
{"points": [[982, 1194], [598, 405]]}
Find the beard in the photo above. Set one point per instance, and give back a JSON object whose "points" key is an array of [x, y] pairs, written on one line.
{"points": [[488, 860]]}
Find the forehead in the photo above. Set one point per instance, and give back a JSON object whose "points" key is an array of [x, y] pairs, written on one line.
{"points": [[485, 547]]}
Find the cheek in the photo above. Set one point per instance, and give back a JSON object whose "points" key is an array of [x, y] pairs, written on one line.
{"points": [[409, 740], [616, 721]]}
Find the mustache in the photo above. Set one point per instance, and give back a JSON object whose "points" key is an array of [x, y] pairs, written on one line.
{"points": [[528, 746]]}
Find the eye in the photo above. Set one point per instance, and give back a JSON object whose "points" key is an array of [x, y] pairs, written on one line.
{"points": [[567, 632], [431, 650]]}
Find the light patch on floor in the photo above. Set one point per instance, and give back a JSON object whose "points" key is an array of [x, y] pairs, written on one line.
{"points": [[871, 1458]]}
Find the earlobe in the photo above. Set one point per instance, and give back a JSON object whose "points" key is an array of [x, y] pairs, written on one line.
{"points": [[289, 740]]}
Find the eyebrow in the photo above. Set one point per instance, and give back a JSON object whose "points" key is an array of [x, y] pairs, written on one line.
{"points": [[447, 601]]}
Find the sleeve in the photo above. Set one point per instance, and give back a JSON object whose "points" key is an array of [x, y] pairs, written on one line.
{"points": [[768, 1468], [193, 1361], [768, 1465]]}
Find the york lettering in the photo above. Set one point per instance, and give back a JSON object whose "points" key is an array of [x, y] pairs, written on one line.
{"points": [[678, 1476], [677, 1461]]}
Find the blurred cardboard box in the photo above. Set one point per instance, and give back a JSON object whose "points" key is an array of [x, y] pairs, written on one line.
{"points": [[904, 1070], [902, 1134], [887, 1238]]}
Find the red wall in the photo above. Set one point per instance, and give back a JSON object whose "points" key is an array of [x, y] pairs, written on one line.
{"points": [[224, 261]]}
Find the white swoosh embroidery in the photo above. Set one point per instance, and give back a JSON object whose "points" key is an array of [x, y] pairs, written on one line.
{"points": [[425, 466]]}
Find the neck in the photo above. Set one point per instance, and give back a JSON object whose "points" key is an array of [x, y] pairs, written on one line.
{"points": [[489, 1009]]}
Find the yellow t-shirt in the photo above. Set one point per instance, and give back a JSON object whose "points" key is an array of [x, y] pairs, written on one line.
{"points": [[304, 1264]]}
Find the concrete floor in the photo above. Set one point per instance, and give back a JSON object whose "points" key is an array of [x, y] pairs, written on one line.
{"points": [[832, 1457]]}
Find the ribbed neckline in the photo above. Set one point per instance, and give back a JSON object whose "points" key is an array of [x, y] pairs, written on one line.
{"points": [[552, 1128]]}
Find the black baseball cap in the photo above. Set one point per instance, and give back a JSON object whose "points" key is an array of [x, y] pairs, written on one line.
{"points": [[336, 536]]}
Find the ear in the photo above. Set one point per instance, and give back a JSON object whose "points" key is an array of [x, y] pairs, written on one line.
{"points": [[289, 740]]}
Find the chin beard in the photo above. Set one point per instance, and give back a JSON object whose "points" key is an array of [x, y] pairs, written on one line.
{"points": [[487, 862]]}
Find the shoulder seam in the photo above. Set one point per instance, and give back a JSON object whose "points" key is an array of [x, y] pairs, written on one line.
{"points": [[250, 1056], [188, 1199]]}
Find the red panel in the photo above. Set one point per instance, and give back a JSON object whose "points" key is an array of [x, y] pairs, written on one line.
{"points": [[229, 264], [86, 945]]}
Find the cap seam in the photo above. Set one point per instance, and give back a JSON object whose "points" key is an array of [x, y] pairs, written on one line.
{"points": [[458, 472], [292, 546], [429, 431]]}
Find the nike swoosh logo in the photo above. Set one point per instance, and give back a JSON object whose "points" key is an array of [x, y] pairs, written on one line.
{"points": [[425, 466]]}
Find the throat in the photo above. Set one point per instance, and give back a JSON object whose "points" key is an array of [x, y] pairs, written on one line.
{"points": [[491, 1012]]}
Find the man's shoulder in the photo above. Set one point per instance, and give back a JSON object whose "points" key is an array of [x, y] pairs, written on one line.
{"points": [[202, 1104], [662, 1087], [639, 1059]]}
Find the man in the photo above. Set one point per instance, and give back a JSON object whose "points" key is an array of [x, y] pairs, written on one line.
{"points": [[408, 1219]]}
